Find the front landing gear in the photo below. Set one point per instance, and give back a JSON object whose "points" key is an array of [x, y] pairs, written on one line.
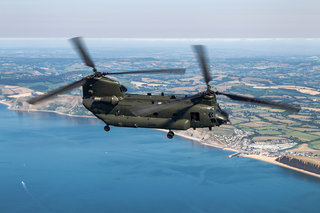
{"points": [[170, 134], [107, 128]]}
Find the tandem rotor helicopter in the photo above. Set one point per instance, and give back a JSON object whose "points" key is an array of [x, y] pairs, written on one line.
{"points": [[107, 100]]}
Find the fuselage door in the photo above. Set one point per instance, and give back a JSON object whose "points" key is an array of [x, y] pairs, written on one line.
{"points": [[195, 116]]}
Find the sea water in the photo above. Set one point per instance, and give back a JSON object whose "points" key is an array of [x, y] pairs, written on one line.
{"points": [[53, 163]]}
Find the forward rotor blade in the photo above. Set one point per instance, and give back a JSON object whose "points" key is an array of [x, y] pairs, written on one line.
{"points": [[258, 101], [171, 71], [57, 91], [81, 49], [158, 107], [203, 62]]}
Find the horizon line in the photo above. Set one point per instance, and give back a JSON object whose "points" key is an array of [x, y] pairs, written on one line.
{"points": [[148, 38]]}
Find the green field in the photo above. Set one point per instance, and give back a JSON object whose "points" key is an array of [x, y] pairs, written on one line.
{"points": [[271, 128], [302, 136], [315, 145], [270, 132]]}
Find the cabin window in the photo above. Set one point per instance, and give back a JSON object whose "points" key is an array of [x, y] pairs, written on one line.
{"points": [[195, 116]]}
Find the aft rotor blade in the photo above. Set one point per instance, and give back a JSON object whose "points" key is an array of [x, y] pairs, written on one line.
{"points": [[203, 62], [171, 71], [293, 108], [158, 107], [57, 91], [81, 49]]}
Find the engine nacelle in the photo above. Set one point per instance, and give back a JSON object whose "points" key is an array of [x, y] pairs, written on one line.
{"points": [[114, 100]]}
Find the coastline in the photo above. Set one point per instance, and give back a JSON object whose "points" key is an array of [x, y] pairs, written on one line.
{"points": [[5, 103], [49, 111], [59, 113], [217, 146], [271, 160]]}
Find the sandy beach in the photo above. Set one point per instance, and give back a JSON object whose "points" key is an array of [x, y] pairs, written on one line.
{"points": [[273, 161]]}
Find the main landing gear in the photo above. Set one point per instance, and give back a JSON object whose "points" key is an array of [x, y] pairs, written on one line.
{"points": [[170, 134], [107, 128]]}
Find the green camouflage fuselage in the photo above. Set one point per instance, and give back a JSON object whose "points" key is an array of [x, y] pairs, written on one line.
{"points": [[107, 100]]}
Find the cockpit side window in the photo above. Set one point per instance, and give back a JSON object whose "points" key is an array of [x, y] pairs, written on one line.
{"points": [[123, 88]]}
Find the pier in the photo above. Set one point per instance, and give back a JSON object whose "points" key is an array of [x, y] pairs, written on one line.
{"points": [[233, 155]]}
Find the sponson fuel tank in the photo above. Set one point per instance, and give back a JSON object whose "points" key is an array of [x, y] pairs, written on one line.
{"points": [[145, 122]]}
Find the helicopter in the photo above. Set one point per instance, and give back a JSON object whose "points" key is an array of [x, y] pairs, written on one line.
{"points": [[109, 101]]}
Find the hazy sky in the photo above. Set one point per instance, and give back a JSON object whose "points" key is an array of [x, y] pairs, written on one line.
{"points": [[160, 18]]}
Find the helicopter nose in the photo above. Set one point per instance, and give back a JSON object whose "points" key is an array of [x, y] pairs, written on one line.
{"points": [[222, 120], [219, 116], [222, 117]]}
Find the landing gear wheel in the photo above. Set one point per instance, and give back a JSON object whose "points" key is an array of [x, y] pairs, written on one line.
{"points": [[170, 134], [107, 128]]}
